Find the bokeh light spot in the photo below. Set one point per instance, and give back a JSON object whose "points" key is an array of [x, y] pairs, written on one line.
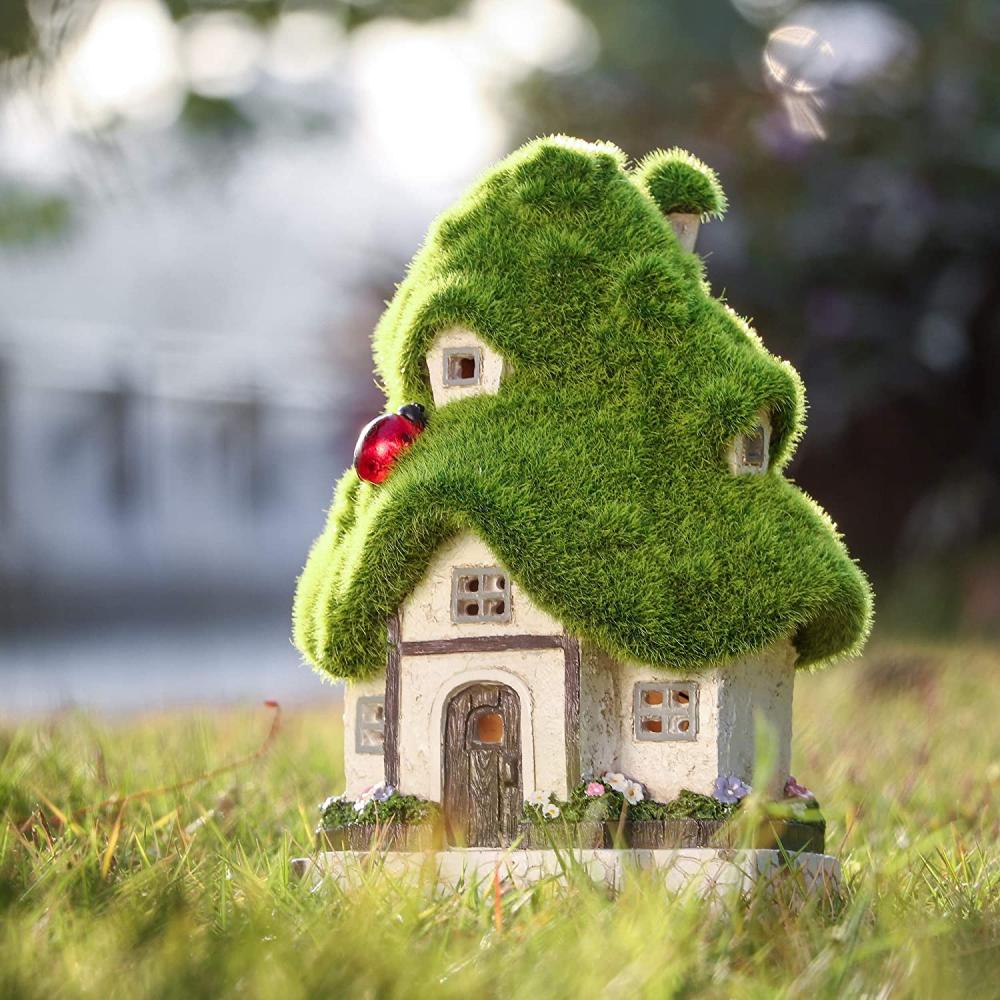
{"points": [[798, 60], [221, 52]]}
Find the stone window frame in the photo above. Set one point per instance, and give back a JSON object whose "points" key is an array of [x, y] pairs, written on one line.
{"points": [[448, 380], [738, 461], [370, 718], [666, 712], [483, 592]]}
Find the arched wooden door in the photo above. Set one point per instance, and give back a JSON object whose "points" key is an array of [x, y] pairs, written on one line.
{"points": [[483, 795]]}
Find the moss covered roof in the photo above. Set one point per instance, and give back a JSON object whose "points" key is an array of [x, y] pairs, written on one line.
{"points": [[598, 472]]}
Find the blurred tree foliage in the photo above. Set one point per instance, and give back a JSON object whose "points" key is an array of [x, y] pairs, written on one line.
{"points": [[869, 256], [17, 30], [26, 216], [352, 14]]}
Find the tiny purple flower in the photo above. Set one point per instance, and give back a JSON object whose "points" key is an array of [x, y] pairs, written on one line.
{"points": [[730, 789], [594, 790], [382, 792], [793, 790]]}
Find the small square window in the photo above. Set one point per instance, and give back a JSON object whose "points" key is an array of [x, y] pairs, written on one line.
{"points": [[369, 729], [371, 741], [480, 594], [463, 366], [666, 711]]}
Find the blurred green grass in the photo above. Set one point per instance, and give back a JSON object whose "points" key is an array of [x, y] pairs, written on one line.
{"points": [[195, 897]]}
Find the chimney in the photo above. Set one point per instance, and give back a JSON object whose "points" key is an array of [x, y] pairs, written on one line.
{"points": [[685, 226]]}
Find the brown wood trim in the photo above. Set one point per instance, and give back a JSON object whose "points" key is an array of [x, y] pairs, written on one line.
{"points": [[571, 645], [390, 742], [481, 644]]}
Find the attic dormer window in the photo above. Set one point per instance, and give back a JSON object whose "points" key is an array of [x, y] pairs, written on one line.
{"points": [[750, 452], [480, 594], [463, 366]]}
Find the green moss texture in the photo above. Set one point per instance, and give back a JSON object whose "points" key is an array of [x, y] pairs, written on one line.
{"points": [[598, 473]]}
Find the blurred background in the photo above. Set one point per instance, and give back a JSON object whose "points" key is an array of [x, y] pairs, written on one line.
{"points": [[204, 205]]}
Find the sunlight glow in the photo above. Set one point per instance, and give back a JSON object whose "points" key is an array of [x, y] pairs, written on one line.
{"points": [[846, 44], [429, 97], [421, 104], [221, 52], [124, 66], [550, 35], [304, 44]]}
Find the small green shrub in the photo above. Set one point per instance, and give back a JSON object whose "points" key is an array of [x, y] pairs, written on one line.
{"points": [[395, 809], [581, 807], [693, 805]]}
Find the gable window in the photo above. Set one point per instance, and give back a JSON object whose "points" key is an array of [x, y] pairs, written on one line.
{"points": [[463, 366], [369, 730], [750, 452], [666, 711], [480, 594]]}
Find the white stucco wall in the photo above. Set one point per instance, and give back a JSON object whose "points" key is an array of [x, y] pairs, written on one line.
{"points": [[426, 613], [728, 697], [608, 742], [762, 687], [491, 370], [428, 682], [360, 769]]}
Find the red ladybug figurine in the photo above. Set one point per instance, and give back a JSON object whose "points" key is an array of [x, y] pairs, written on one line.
{"points": [[384, 439]]}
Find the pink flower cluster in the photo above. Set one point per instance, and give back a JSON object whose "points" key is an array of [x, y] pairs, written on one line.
{"points": [[616, 782], [793, 790]]}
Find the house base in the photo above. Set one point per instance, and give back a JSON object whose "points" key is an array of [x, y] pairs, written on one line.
{"points": [[712, 871]]}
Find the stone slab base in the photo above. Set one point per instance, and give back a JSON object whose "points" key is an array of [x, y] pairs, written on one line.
{"points": [[711, 870]]}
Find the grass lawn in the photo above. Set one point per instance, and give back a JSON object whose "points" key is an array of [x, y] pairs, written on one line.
{"points": [[188, 893]]}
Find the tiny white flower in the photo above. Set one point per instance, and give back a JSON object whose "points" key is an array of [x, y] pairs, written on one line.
{"points": [[359, 806], [633, 793], [538, 798], [551, 811], [617, 781]]}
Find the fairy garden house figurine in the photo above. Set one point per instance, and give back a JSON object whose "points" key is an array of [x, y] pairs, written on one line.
{"points": [[571, 549]]}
